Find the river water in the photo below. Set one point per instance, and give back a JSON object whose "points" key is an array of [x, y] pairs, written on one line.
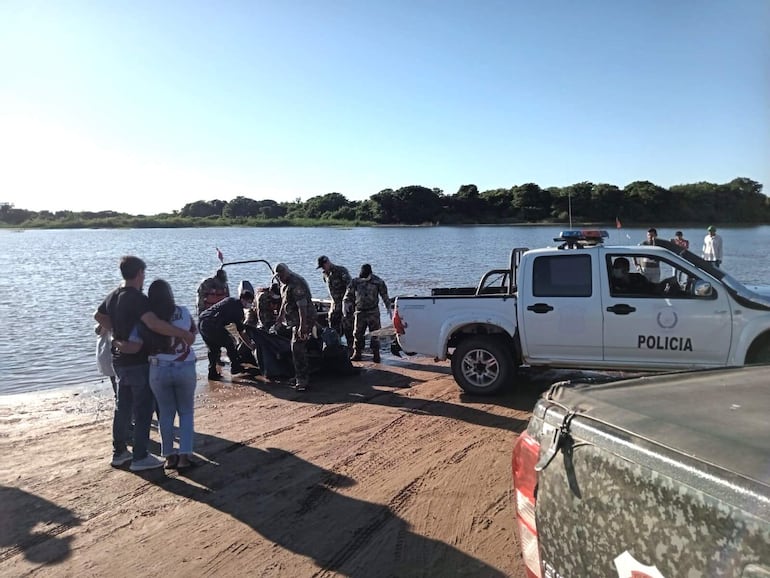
{"points": [[52, 280]]}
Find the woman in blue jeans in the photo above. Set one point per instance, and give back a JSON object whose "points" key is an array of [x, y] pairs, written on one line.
{"points": [[172, 376]]}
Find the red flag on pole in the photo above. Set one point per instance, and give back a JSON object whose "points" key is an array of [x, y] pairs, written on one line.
{"points": [[617, 223], [220, 256]]}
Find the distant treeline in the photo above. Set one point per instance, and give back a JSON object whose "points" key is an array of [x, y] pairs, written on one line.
{"points": [[641, 202]]}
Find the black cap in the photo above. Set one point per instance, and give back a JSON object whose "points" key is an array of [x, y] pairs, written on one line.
{"points": [[322, 260], [281, 268], [366, 270]]}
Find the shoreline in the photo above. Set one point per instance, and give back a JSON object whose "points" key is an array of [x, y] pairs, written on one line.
{"points": [[390, 472], [352, 225]]}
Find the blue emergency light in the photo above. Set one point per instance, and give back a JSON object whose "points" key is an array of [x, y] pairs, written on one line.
{"points": [[583, 235], [577, 238]]}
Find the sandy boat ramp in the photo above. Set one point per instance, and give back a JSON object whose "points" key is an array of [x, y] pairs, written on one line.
{"points": [[392, 472]]}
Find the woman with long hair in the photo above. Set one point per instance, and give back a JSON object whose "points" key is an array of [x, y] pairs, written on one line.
{"points": [[172, 376]]}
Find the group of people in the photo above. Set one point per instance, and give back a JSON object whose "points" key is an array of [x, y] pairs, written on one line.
{"points": [[289, 303], [647, 279], [711, 251], [712, 245], [144, 344], [145, 341], [153, 362]]}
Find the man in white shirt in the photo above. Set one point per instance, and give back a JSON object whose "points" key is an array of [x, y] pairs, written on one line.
{"points": [[712, 247]]}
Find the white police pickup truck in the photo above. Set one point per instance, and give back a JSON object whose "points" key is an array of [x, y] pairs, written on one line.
{"points": [[573, 306]]}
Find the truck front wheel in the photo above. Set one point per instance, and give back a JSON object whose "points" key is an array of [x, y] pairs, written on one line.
{"points": [[482, 365], [759, 352]]}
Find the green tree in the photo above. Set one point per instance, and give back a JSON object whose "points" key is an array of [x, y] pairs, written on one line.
{"points": [[466, 205], [409, 205], [607, 202], [648, 202], [368, 211], [499, 204], [241, 207], [203, 209], [530, 202], [317, 207]]}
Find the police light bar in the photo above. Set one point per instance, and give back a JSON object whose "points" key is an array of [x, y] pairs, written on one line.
{"points": [[595, 235]]}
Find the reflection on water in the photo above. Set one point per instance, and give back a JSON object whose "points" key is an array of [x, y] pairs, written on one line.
{"points": [[52, 281]]}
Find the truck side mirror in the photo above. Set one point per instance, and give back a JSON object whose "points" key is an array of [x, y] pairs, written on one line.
{"points": [[702, 289]]}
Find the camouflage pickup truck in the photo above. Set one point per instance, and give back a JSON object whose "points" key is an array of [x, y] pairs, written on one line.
{"points": [[658, 476]]}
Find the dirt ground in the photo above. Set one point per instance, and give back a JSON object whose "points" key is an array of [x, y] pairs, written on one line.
{"points": [[392, 472]]}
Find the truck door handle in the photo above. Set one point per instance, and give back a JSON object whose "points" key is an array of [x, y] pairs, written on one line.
{"points": [[540, 308], [621, 309]]}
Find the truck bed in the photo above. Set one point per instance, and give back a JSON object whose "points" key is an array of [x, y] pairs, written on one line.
{"points": [[672, 471], [701, 413]]}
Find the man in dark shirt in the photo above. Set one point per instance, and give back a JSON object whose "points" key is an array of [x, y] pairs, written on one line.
{"points": [[213, 324], [122, 311], [628, 283]]}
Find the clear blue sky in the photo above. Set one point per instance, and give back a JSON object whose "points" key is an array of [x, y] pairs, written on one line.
{"points": [[145, 106]]}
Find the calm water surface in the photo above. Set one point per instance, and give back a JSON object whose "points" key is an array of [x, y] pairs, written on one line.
{"points": [[52, 281]]}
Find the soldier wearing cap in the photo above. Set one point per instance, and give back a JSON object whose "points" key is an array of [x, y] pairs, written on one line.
{"points": [[337, 280], [298, 312], [363, 297], [712, 247]]}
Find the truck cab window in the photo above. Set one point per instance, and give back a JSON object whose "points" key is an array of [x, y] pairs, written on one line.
{"points": [[627, 278], [562, 276]]}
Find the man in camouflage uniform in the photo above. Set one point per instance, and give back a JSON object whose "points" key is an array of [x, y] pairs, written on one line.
{"points": [[299, 313], [212, 290], [337, 280], [362, 296], [266, 307]]}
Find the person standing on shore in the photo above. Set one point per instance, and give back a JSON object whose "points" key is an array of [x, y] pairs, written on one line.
{"points": [[712, 247], [299, 313], [680, 241], [337, 279], [173, 377], [121, 311], [650, 268], [363, 297]]}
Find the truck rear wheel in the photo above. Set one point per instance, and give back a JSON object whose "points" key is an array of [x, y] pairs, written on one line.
{"points": [[482, 365]]}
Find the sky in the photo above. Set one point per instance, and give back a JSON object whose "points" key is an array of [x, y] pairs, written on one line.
{"points": [[145, 106]]}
